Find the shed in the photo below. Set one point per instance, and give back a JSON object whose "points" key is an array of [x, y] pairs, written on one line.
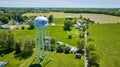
{"points": [[79, 24]]}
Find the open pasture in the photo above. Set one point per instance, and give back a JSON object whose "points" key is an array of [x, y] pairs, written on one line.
{"points": [[107, 39]]}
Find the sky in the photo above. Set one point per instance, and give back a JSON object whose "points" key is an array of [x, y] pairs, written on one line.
{"points": [[61, 3]]}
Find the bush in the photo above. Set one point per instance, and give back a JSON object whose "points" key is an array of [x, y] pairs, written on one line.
{"points": [[90, 47], [22, 27], [80, 44], [52, 47], [67, 50], [48, 47], [52, 41], [90, 40], [26, 50], [60, 49], [81, 35], [31, 25], [69, 36], [80, 51]]}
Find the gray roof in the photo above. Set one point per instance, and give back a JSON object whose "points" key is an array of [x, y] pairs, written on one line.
{"points": [[2, 64]]}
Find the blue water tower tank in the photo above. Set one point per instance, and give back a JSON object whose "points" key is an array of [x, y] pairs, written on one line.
{"points": [[41, 22]]}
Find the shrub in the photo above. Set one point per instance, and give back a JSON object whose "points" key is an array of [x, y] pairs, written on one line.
{"points": [[90, 40], [60, 49], [22, 27], [80, 51], [81, 35], [52, 41], [69, 36], [67, 50]]}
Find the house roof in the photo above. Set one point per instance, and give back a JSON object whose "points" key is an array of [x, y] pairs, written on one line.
{"points": [[2, 64]]}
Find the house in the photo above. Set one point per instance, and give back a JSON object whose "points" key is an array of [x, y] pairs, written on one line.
{"points": [[73, 50], [79, 24], [2, 64]]}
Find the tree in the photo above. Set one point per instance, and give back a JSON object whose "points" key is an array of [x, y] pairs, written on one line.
{"points": [[69, 36], [6, 41], [67, 25], [52, 41], [26, 17], [80, 46], [4, 20], [81, 35], [27, 48], [22, 27], [31, 25], [53, 44], [93, 59], [17, 48], [50, 19]]}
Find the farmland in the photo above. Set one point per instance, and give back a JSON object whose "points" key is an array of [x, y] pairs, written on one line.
{"points": [[107, 43], [101, 18]]}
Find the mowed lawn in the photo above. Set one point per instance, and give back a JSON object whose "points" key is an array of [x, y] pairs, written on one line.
{"points": [[61, 35], [107, 39], [57, 32], [66, 60]]}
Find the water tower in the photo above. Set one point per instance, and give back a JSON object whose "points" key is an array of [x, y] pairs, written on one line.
{"points": [[42, 37]]}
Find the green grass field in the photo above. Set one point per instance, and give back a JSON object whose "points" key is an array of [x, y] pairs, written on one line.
{"points": [[66, 60], [58, 21], [101, 18], [56, 32], [107, 39]]}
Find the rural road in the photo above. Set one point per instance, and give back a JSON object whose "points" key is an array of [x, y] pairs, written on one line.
{"points": [[85, 51]]}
